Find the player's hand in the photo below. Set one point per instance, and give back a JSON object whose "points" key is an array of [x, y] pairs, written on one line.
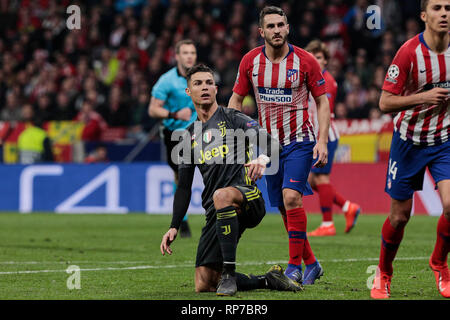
{"points": [[435, 96], [320, 152], [167, 239], [256, 168], [184, 114]]}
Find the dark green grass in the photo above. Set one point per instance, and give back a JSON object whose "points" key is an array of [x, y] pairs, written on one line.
{"points": [[51, 242]]}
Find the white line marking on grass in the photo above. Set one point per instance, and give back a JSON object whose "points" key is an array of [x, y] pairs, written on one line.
{"points": [[76, 261], [185, 265]]}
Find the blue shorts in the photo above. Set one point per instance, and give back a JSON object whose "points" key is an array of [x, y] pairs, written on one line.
{"points": [[332, 147], [407, 164], [295, 165]]}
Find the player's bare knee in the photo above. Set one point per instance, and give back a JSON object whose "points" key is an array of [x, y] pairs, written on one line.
{"points": [[446, 210], [292, 199], [222, 198], [399, 220]]}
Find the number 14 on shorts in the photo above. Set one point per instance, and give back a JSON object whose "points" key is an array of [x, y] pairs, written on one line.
{"points": [[392, 169]]}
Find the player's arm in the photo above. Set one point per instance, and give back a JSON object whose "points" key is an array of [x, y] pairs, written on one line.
{"points": [[269, 148], [156, 110], [390, 102], [317, 85], [399, 71], [241, 86], [180, 206], [320, 151], [235, 101]]}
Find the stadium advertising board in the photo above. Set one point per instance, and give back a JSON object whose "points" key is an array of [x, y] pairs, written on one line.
{"points": [[143, 187]]}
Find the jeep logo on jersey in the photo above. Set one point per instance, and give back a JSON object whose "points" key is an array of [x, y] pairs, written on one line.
{"points": [[292, 75], [275, 94]]}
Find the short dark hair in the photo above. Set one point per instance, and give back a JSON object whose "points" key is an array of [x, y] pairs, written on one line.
{"points": [[317, 46], [423, 5], [197, 68], [183, 42], [270, 10]]}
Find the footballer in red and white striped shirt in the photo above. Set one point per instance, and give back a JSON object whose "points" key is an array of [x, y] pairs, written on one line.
{"points": [[319, 178], [416, 68], [282, 77], [416, 88]]}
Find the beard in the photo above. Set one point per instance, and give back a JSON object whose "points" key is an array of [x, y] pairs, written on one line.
{"points": [[278, 45]]}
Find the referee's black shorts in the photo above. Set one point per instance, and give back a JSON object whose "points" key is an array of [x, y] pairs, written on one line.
{"points": [[252, 212]]}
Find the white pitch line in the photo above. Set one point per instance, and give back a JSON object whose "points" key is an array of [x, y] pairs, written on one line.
{"points": [[190, 265], [75, 261]]}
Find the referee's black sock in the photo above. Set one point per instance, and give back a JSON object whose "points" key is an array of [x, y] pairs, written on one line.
{"points": [[250, 282], [227, 227]]}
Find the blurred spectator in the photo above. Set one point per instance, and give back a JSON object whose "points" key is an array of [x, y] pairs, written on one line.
{"points": [[33, 144], [94, 124], [64, 109], [11, 111], [363, 69], [44, 108], [140, 121], [354, 110], [249, 107], [100, 154], [107, 68], [373, 98], [115, 111], [340, 111]]}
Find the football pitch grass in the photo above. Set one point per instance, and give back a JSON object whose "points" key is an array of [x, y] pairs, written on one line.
{"points": [[119, 258]]}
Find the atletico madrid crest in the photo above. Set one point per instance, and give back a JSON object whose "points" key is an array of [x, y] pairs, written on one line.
{"points": [[292, 75]]}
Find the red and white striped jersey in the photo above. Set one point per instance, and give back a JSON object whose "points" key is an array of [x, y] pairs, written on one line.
{"points": [[415, 69], [331, 89], [282, 91]]}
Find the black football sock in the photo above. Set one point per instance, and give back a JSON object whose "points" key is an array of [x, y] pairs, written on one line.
{"points": [[250, 282], [227, 227]]}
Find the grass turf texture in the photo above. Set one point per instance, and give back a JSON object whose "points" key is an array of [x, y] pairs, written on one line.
{"points": [[119, 258]]}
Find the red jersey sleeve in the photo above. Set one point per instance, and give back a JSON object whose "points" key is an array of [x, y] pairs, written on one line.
{"points": [[398, 72], [314, 77], [243, 84]]}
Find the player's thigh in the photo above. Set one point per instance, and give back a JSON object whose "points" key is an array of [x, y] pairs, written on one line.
{"points": [[207, 277], [440, 171], [406, 168], [297, 167], [253, 208], [229, 196], [444, 191], [274, 185]]}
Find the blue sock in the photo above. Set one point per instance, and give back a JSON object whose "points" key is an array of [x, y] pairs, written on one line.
{"points": [[292, 266]]}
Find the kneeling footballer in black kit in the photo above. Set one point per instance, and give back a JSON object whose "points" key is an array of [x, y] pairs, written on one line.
{"points": [[231, 198]]}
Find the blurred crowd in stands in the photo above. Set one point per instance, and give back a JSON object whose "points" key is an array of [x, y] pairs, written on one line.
{"points": [[103, 73]]}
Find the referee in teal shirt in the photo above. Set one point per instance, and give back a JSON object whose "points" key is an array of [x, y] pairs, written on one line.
{"points": [[171, 103]]}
